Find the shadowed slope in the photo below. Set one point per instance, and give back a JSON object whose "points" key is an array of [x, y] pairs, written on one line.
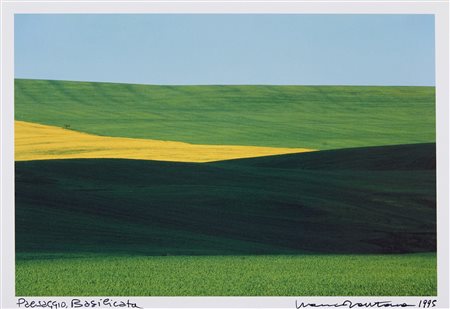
{"points": [[397, 157], [150, 207]]}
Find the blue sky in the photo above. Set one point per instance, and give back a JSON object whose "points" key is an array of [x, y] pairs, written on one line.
{"points": [[227, 49]]}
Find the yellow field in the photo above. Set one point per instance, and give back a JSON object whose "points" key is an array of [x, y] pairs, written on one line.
{"points": [[41, 142]]}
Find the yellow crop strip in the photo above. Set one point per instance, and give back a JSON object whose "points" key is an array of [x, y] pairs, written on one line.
{"points": [[41, 142]]}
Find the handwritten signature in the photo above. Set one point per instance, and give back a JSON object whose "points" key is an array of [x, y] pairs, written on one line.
{"points": [[350, 304]]}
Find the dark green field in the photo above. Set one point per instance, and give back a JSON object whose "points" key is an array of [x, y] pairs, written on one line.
{"points": [[318, 117], [359, 220], [284, 204]]}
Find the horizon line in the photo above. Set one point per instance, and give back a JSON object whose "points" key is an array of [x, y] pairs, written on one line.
{"points": [[256, 84]]}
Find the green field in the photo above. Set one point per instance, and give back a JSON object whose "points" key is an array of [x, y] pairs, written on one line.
{"points": [[317, 117], [328, 275], [356, 218]]}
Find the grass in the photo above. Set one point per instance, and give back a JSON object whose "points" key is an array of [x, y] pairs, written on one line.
{"points": [[385, 202], [285, 275], [314, 117], [40, 142]]}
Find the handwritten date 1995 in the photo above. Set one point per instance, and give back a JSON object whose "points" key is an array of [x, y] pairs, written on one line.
{"points": [[427, 303]]}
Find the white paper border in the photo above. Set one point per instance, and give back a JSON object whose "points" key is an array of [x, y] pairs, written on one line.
{"points": [[8, 8]]}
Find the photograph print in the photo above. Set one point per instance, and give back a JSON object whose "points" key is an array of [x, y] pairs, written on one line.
{"points": [[225, 155]]}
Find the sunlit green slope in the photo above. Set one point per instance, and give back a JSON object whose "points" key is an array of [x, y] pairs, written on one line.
{"points": [[316, 117]]}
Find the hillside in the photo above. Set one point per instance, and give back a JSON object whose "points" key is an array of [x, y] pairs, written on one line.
{"points": [[314, 117], [396, 157], [34, 141], [234, 207]]}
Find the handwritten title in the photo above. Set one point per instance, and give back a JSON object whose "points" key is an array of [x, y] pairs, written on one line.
{"points": [[76, 303]]}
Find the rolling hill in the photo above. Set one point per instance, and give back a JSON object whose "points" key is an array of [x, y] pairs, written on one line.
{"points": [[383, 202], [314, 117]]}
